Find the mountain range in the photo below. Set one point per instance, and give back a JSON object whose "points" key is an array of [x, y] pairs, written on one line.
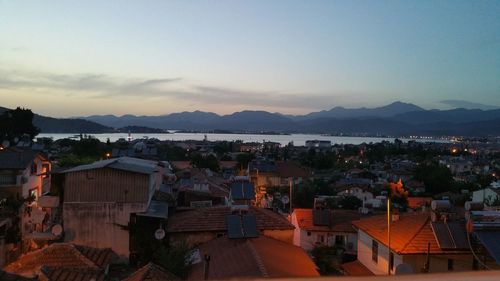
{"points": [[395, 119]]}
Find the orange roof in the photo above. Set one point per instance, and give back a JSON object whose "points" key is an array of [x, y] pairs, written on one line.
{"points": [[214, 219], [356, 268], [409, 235], [255, 257], [63, 255], [341, 220], [152, 272]]}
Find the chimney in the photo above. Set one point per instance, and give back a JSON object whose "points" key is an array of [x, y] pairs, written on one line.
{"points": [[395, 216]]}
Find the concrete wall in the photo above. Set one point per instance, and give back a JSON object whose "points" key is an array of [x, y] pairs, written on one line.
{"points": [[439, 263], [100, 225], [365, 254]]}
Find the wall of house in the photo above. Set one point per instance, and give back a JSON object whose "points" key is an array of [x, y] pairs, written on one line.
{"points": [[439, 263], [108, 185], [365, 254], [484, 194], [100, 224], [192, 238]]}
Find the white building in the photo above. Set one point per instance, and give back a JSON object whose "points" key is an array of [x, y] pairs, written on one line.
{"points": [[411, 235], [486, 195], [333, 229]]}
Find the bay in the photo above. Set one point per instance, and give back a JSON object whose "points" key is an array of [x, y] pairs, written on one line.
{"points": [[297, 139]]}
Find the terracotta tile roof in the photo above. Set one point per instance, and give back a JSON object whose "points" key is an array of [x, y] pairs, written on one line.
{"points": [[409, 235], [255, 257], [341, 220], [152, 272], [72, 274], [100, 257], [214, 219], [356, 268], [61, 255]]}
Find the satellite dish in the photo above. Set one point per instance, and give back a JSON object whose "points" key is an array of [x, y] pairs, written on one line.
{"points": [[404, 268], [5, 143], [57, 230], [285, 199], [159, 234]]}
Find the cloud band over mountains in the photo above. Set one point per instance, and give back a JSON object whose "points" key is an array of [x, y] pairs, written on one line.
{"points": [[100, 86]]}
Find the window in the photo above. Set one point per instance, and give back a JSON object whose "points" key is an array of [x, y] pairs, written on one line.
{"points": [[340, 240], [450, 265], [321, 239], [33, 168], [374, 251], [308, 233]]}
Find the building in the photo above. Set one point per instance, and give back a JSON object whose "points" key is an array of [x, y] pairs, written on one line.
{"points": [[416, 242], [488, 196], [335, 229], [108, 194], [24, 173]]}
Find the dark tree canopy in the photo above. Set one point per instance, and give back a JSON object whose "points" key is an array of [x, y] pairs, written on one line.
{"points": [[17, 123]]}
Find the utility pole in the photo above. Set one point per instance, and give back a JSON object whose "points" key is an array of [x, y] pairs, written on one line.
{"points": [[389, 235]]}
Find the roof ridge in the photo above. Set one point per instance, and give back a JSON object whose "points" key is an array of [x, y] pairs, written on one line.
{"points": [[416, 233], [258, 259]]}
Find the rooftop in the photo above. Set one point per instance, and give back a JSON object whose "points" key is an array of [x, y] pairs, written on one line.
{"points": [[409, 235], [214, 219], [130, 164], [61, 255], [341, 220], [253, 257], [17, 158], [152, 272]]}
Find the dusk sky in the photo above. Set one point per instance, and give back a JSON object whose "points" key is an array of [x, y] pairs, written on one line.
{"points": [[74, 58]]}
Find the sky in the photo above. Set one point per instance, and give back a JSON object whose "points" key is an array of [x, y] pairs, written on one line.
{"points": [[78, 58]]}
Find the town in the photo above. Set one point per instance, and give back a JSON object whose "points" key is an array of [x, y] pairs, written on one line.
{"points": [[142, 208]]}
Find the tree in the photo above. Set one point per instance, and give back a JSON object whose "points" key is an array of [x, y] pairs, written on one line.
{"points": [[243, 159], [437, 178], [17, 123], [327, 259], [399, 196], [176, 258]]}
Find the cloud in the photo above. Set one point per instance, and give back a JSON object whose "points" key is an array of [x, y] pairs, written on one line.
{"points": [[468, 105], [101, 86]]}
